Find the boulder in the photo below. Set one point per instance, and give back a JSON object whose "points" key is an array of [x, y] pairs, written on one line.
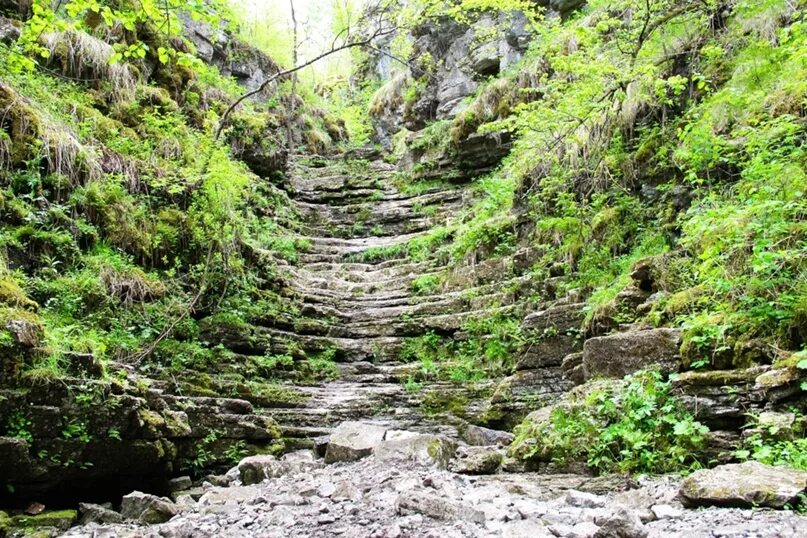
{"points": [[583, 499], [147, 509], [421, 448], [525, 528], [477, 460], [434, 506], [230, 495], [352, 441], [256, 469], [180, 483], [624, 353], [572, 367], [479, 436], [621, 523], [744, 484], [95, 513]]}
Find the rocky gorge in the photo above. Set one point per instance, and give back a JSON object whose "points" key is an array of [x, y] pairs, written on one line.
{"points": [[295, 336]]}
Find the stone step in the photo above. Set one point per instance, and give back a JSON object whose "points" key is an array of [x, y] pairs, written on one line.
{"points": [[399, 326], [376, 348], [408, 307]]}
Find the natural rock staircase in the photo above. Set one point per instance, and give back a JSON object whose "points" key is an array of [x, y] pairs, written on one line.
{"points": [[362, 305]]}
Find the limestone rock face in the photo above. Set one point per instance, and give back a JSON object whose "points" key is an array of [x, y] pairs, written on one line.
{"points": [[352, 441], [621, 354], [147, 509], [744, 484]]}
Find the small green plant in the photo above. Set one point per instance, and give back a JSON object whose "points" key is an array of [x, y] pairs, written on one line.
{"points": [[76, 429], [634, 425], [773, 444], [321, 366], [425, 284], [236, 451], [412, 386], [758, 447], [18, 426]]}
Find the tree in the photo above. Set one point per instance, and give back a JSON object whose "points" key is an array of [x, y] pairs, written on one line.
{"points": [[379, 26], [294, 60]]}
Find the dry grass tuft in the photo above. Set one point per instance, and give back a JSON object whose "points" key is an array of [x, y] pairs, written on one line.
{"points": [[83, 56], [66, 155], [132, 286], [31, 133], [389, 96]]}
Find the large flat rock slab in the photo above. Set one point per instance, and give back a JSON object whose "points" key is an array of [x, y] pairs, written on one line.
{"points": [[352, 441], [745, 484]]}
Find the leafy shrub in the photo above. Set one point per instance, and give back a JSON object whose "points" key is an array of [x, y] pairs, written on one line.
{"points": [[633, 425]]}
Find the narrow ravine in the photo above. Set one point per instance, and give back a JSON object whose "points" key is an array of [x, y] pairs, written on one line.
{"points": [[419, 268], [363, 457]]}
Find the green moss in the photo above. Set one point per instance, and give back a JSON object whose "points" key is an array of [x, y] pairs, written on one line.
{"points": [[436, 402], [11, 294], [60, 519]]}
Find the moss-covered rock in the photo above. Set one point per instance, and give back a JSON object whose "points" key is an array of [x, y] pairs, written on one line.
{"points": [[59, 519], [748, 484]]}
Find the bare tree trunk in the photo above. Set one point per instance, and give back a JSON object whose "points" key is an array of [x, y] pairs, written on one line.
{"points": [[293, 99]]}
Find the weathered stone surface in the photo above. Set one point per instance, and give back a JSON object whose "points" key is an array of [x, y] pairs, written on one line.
{"points": [[437, 508], [147, 509], [256, 469], [558, 319], [549, 350], [573, 369], [9, 32], [230, 495], [779, 383], [479, 436], [721, 399], [620, 523], [744, 484], [477, 460], [583, 499], [424, 449], [95, 513], [180, 483], [624, 353], [351, 441], [515, 396]]}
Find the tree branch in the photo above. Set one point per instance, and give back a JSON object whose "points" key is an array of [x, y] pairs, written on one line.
{"points": [[333, 50]]}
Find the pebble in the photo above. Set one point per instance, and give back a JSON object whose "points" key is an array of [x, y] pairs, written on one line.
{"points": [[510, 506]]}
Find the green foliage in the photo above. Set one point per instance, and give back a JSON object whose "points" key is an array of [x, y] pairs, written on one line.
{"points": [[76, 429], [635, 425], [19, 426], [600, 110], [425, 284], [774, 445], [105, 17], [490, 349], [790, 452]]}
